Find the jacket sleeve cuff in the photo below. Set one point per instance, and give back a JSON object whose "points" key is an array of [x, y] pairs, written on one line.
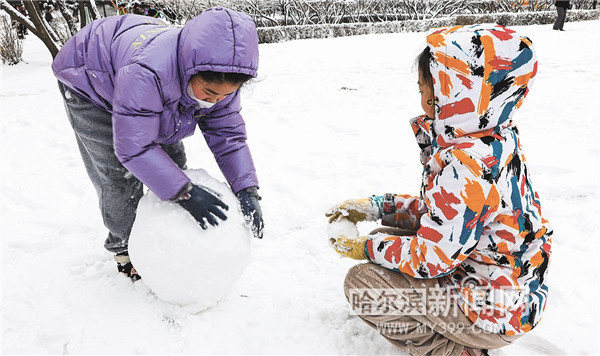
{"points": [[183, 194], [384, 204], [368, 248]]}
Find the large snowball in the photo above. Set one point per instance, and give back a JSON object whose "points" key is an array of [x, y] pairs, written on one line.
{"points": [[181, 262]]}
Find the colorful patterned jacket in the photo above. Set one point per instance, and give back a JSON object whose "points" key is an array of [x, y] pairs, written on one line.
{"points": [[478, 218]]}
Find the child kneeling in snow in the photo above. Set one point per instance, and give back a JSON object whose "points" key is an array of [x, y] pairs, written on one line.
{"points": [[463, 268]]}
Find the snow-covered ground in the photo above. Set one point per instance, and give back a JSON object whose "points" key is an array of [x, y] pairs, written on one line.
{"points": [[327, 121]]}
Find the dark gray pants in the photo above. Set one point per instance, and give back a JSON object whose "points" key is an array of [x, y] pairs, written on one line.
{"points": [[118, 190], [560, 19]]}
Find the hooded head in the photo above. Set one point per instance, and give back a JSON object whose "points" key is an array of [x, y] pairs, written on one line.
{"points": [[481, 74], [218, 40]]}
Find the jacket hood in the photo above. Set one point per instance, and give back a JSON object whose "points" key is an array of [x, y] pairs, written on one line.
{"points": [[481, 75], [218, 40]]}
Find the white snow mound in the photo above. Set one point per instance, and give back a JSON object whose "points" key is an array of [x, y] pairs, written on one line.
{"points": [[181, 262]]}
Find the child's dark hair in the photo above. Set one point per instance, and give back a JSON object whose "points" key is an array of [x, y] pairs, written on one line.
{"points": [[221, 77], [423, 61]]}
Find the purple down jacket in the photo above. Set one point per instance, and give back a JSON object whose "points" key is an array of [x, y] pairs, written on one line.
{"points": [[137, 68]]}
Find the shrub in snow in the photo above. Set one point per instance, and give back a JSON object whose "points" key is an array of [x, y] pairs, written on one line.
{"points": [[61, 28], [314, 12], [11, 46], [287, 33], [181, 262], [524, 18]]}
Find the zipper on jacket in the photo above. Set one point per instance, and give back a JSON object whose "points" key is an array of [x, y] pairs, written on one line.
{"points": [[177, 125]]}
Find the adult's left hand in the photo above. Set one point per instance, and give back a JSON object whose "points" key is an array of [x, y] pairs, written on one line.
{"points": [[251, 209]]}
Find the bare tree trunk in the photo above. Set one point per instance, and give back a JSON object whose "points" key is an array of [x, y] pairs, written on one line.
{"points": [[82, 15], [284, 6], [68, 16], [455, 5], [93, 9], [44, 32], [413, 8], [256, 7], [42, 29]]}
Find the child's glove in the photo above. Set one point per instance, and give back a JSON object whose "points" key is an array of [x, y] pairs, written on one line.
{"points": [[251, 209], [350, 247], [202, 204], [355, 210]]}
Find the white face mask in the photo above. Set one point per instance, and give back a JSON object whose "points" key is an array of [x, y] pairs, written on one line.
{"points": [[201, 103]]}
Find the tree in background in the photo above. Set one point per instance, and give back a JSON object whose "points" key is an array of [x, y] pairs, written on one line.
{"points": [[266, 13], [37, 24]]}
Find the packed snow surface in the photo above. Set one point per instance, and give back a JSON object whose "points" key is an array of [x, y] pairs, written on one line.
{"points": [[327, 121], [181, 262], [342, 227]]}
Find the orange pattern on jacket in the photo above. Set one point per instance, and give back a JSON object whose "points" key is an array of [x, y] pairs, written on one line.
{"points": [[478, 216]]}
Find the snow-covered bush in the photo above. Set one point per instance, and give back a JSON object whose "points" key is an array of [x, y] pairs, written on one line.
{"points": [[11, 46], [269, 13], [61, 29], [286, 33], [525, 18], [179, 12]]}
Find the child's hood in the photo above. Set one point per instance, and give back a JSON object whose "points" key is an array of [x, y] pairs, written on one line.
{"points": [[481, 75], [218, 40]]}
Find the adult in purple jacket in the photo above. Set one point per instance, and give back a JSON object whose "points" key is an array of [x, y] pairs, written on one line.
{"points": [[134, 88]]}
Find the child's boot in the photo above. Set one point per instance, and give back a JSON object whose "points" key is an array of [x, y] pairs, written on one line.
{"points": [[124, 266]]}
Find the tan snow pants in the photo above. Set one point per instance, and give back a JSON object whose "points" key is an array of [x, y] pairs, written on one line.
{"points": [[406, 320]]}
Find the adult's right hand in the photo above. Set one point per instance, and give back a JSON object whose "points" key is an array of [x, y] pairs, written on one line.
{"points": [[203, 205]]}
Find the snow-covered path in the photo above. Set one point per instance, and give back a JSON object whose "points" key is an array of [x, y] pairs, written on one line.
{"points": [[327, 121]]}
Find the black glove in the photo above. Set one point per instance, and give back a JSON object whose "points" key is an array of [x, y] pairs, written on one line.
{"points": [[251, 209], [202, 204]]}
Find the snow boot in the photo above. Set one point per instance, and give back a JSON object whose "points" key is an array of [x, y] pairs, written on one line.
{"points": [[124, 266]]}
